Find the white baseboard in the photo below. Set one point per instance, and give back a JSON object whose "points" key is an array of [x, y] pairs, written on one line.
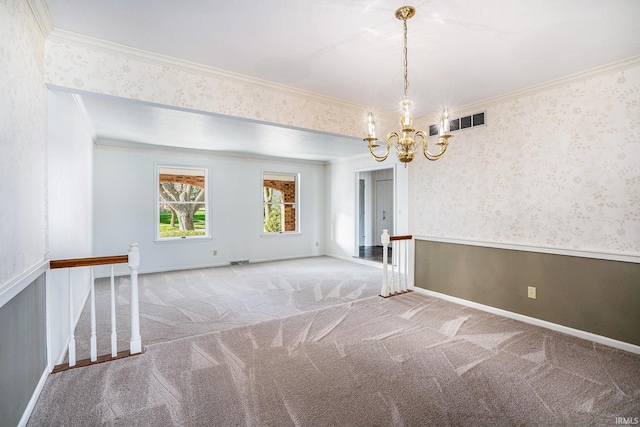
{"points": [[100, 275], [357, 260], [631, 348], [284, 258], [34, 398]]}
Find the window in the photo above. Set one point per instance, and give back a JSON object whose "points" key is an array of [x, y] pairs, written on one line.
{"points": [[280, 202], [182, 202]]}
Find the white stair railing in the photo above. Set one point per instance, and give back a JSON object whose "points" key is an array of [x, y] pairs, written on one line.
{"points": [[135, 344], [397, 275]]}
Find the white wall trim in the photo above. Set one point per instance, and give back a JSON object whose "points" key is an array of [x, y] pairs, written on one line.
{"points": [[195, 267], [40, 12], [15, 286], [537, 322], [611, 256], [358, 261], [34, 398], [79, 40], [82, 110], [284, 258]]}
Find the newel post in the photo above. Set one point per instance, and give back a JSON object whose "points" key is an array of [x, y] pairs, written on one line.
{"points": [[385, 261], [134, 264]]}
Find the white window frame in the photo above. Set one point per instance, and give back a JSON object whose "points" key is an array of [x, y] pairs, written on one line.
{"points": [[182, 169], [296, 204]]}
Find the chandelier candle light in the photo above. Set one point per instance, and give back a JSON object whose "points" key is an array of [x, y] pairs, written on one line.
{"points": [[406, 143]]}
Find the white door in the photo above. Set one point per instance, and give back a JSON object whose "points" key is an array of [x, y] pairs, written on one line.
{"points": [[384, 208]]}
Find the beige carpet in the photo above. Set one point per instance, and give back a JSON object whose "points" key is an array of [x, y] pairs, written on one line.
{"points": [[186, 303], [408, 360]]}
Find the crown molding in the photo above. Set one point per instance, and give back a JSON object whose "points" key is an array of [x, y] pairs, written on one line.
{"points": [[482, 105], [74, 39], [110, 48], [82, 110], [40, 12]]}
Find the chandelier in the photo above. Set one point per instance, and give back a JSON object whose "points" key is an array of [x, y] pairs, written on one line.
{"points": [[409, 139]]}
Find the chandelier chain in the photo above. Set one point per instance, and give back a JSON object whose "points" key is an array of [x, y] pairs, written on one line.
{"points": [[406, 64]]}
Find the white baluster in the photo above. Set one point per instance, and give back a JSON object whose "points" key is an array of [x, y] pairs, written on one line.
{"points": [[411, 264], [393, 267], [396, 266], [72, 336], [406, 265], [385, 261], [114, 334], [399, 261], [401, 269], [134, 263], [94, 342]]}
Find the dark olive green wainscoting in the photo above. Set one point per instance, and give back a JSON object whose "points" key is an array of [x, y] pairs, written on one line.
{"points": [[592, 295], [23, 350]]}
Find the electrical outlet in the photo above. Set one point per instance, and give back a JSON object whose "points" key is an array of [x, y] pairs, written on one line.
{"points": [[531, 292], [215, 253], [316, 244]]}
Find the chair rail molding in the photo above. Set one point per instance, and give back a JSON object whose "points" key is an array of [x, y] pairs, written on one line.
{"points": [[611, 256]]}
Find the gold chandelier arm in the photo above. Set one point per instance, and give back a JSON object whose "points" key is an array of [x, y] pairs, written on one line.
{"points": [[420, 138], [390, 140], [372, 146], [444, 143]]}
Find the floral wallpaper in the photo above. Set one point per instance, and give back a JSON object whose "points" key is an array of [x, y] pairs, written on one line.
{"points": [[554, 168], [83, 67], [557, 168], [23, 122]]}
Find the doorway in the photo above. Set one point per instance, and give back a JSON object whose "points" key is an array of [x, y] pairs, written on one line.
{"points": [[376, 201], [384, 207]]}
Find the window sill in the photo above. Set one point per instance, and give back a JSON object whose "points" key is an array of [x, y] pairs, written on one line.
{"points": [[284, 233], [182, 239]]}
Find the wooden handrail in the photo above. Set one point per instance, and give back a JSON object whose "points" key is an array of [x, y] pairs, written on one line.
{"points": [[407, 237], [84, 262]]}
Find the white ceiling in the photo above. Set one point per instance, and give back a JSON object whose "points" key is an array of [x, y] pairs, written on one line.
{"points": [[460, 52]]}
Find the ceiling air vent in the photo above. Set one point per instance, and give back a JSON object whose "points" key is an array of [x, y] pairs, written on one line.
{"points": [[461, 123]]}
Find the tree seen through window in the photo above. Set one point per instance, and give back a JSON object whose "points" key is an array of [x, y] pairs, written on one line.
{"points": [[182, 202]]}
